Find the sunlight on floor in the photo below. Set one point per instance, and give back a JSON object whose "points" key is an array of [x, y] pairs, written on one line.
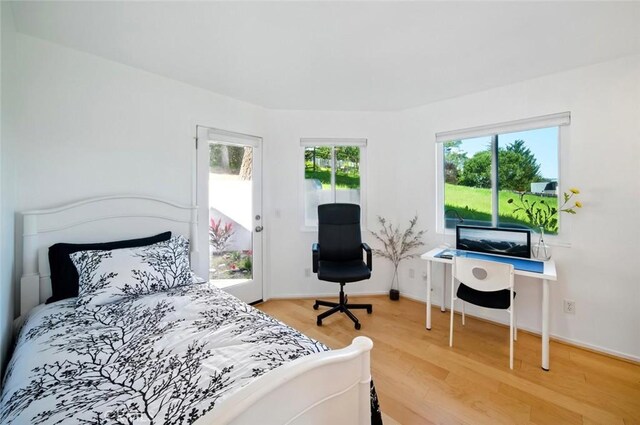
{"points": [[388, 420], [225, 283]]}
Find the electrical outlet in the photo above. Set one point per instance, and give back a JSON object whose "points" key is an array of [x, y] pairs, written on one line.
{"points": [[569, 307], [307, 272], [412, 273]]}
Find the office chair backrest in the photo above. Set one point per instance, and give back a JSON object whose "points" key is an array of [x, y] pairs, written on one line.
{"points": [[339, 232], [482, 275]]}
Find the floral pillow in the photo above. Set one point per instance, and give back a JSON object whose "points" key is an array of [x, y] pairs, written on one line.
{"points": [[108, 276]]}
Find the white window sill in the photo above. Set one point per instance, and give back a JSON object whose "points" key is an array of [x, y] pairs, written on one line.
{"points": [[556, 241]]}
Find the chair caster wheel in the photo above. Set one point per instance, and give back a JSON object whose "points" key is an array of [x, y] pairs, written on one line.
{"points": [[357, 326], [319, 322], [315, 306], [370, 310]]}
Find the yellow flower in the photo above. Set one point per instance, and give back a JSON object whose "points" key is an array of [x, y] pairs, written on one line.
{"points": [[578, 204], [574, 190]]}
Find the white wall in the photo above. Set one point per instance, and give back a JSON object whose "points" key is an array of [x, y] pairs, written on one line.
{"points": [[92, 127], [600, 155], [7, 179], [289, 247]]}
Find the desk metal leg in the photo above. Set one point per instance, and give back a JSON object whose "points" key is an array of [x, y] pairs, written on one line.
{"points": [[545, 325], [444, 289], [429, 295]]}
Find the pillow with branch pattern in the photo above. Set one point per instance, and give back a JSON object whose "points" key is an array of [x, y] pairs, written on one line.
{"points": [[108, 276]]}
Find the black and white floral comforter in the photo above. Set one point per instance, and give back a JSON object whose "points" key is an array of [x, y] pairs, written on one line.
{"points": [[162, 358]]}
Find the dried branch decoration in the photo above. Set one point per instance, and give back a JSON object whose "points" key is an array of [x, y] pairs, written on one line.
{"points": [[397, 244]]}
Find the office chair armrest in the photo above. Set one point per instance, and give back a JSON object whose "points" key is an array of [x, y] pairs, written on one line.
{"points": [[367, 248], [315, 249]]}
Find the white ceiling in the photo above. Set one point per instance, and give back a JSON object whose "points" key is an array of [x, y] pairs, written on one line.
{"points": [[341, 55]]}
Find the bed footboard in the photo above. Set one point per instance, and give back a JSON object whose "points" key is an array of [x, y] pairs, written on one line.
{"points": [[332, 387]]}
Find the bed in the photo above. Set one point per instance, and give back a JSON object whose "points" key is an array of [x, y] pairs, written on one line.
{"points": [[184, 354]]}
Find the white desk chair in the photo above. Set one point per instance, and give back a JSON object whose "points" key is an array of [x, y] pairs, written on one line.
{"points": [[486, 284]]}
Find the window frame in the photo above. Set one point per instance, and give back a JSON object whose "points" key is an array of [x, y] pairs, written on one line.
{"points": [[360, 143], [560, 120]]}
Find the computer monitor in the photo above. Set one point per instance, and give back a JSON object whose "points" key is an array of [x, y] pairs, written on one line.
{"points": [[494, 240]]}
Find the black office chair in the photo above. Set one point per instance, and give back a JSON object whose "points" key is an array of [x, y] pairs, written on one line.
{"points": [[337, 257]]}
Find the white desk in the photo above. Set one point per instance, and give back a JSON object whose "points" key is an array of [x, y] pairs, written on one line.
{"points": [[547, 275]]}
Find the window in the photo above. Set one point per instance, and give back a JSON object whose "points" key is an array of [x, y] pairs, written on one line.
{"points": [[483, 169], [333, 172]]}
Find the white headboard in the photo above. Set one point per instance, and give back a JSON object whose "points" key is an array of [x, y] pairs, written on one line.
{"points": [[101, 219]]}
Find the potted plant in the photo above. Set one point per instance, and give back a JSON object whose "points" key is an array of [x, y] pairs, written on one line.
{"points": [[397, 246], [542, 215]]}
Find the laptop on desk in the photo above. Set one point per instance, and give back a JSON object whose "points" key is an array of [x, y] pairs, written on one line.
{"points": [[511, 246]]}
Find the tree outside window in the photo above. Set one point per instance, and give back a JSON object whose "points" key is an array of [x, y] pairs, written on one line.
{"points": [[331, 174], [476, 190]]}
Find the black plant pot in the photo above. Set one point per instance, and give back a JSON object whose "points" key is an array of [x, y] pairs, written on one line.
{"points": [[394, 294]]}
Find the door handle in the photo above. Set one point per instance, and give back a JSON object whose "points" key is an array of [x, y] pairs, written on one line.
{"points": [[259, 229]]}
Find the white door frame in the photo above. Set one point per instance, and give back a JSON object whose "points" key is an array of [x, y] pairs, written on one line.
{"points": [[249, 291]]}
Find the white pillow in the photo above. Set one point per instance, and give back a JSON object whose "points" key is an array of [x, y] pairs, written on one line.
{"points": [[108, 276]]}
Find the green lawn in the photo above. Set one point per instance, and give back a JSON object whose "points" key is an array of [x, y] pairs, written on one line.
{"points": [[475, 204], [343, 180]]}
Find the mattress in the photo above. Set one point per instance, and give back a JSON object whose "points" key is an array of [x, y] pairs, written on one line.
{"points": [[168, 357]]}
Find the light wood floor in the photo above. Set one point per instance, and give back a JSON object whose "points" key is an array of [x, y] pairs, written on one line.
{"points": [[420, 380]]}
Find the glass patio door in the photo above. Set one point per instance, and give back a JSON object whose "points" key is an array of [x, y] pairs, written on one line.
{"points": [[234, 212]]}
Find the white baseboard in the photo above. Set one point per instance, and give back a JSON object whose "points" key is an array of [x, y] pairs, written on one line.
{"points": [[597, 348], [569, 341]]}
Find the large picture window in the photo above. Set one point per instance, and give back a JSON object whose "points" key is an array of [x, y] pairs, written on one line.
{"points": [[333, 172], [482, 173]]}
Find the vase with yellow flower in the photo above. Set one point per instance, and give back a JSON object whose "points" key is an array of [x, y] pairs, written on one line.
{"points": [[543, 215]]}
